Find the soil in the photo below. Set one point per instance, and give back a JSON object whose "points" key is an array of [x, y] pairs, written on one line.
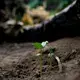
{"points": [[18, 61]]}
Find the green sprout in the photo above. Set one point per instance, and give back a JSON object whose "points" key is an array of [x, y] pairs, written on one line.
{"points": [[39, 47], [51, 55]]}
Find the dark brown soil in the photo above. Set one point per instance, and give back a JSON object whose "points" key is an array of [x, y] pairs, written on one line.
{"points": [[18, 61]]}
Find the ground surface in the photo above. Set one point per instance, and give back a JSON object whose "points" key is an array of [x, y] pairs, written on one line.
{"points": [[18, 62]]}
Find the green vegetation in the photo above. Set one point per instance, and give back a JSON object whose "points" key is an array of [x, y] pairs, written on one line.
{"points": [[51, 4], [32, 13], [39, 52], [52, 55], [39, 47]]}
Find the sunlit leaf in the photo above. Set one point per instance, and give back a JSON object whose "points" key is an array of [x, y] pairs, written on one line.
{"points": [[44, 43], [38, 45]]}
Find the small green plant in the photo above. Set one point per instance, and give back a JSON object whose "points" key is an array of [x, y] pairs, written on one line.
{"points": [[39, 47], [51, 55]]}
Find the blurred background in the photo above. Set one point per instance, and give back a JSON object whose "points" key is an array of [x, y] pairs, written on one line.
{"points": [[33, 11], [40, 10], [28, 13]]}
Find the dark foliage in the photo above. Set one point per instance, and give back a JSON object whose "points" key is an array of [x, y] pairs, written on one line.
{"points": [[66, 24]]}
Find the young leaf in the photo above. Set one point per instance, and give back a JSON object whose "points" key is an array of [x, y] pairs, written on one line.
{"points": [[52, 50], [44, 43], [38, 45]]}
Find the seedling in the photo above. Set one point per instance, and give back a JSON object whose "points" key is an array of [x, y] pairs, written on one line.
{"points": [[39, 47], [51, 55]]}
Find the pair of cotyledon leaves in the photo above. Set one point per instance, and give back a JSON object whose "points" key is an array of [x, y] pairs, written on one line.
{"points": [[38, 45]]}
